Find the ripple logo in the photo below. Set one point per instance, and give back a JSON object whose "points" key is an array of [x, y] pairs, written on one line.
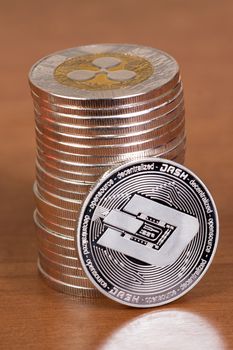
{"points": [[103, 71], [103, 64]]}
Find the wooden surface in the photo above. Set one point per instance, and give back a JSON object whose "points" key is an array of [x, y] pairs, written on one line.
{"points": [[199, 34]]}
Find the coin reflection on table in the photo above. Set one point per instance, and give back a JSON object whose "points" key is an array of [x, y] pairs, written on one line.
{"points": [[166, 330]]}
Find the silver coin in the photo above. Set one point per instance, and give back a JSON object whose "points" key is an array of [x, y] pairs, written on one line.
{"points": [[62, 202], [75, 280], [158, 138], [96, 74], [95, 166], [72, 185], [61, 181], [45, 207], [170, 95], [91, 164], [78, 172], [59, 258], [98, 134], [66, 269], [113, 121], [50, 246], [143, 135], [50, 188], [117, 119], [53, 248], [147, 232], [67, 287], [55, 185], [55, 219], [54, 226], [104, 133], [51, 235]]}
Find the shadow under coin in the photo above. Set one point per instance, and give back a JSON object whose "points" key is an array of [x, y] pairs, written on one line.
{"points": [[168, 329]]}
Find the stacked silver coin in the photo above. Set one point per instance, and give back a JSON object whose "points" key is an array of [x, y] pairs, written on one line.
{"points": [[95, 107]]}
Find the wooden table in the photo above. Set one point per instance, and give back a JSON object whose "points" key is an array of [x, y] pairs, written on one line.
{"points": [[199, 34]]}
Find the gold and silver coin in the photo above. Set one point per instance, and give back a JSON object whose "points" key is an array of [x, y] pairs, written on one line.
{"points": [[94, 75], [95, 107]]}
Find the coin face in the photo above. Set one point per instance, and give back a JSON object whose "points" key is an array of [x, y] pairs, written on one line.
{"points": [[147, 232], [104, 71]]}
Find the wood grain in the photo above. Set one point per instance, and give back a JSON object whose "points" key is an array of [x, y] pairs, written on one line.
{"points": [[199, 34]]}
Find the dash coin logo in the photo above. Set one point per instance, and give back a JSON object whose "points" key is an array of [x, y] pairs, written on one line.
{"points": [[155, 241]]}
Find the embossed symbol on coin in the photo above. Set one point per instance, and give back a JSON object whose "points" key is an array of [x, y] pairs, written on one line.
{"points": [[103, 71], [143, 227], [147, 232], [103, 63]]}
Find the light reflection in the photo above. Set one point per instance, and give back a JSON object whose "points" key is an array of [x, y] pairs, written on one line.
{"points": [[168, 329]]}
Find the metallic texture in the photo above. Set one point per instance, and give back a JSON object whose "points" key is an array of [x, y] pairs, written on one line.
{"points": [[147, 232], [95, 107], [43, 75], [67, 288]]}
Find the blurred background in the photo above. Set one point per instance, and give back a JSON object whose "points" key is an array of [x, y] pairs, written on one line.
{"points": [[199, 34]]}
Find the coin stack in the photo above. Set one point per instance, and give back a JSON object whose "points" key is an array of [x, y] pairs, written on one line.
{"points": [[95, 107]]}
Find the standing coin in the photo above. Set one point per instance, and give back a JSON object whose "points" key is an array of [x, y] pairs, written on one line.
{"points": [[147, 232]]}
